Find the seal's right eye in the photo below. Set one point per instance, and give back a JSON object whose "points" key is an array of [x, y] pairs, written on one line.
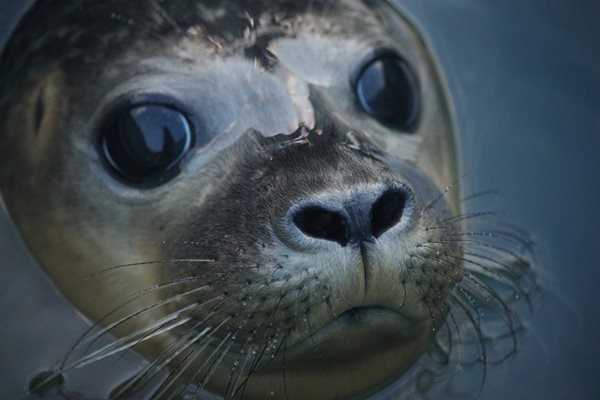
{"points": [[387, 89], [144, 143]]}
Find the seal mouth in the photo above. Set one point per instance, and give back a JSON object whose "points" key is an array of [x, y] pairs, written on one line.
{"points": [[372, 317], [358, 314], [359, 329]]}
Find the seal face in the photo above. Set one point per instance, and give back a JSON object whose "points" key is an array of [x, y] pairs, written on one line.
{"points": [[250, 192]]}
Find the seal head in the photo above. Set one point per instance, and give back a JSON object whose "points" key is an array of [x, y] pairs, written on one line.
{"points": [[250, 192]]}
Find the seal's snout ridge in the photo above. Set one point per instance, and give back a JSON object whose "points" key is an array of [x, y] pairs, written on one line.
{"points": [[361, 216]]}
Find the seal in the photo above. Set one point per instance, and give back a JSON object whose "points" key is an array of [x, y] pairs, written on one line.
{"points": [[250, 194]]}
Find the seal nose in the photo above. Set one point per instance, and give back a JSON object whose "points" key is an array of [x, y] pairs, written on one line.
{"points": [[362, 217]]}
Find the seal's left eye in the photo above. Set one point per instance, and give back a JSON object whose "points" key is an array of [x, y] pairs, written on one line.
{"points": [[386, 88], [145, 143]]}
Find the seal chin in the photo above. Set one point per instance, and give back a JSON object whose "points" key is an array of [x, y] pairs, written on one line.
{"points": [[364, 347]]}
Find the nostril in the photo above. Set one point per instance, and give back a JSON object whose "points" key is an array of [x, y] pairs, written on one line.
{"points": [[321, 223], [387, 211]]}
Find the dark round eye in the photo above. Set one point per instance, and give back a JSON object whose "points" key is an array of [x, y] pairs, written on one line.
{"points": [[387, 89], [144, 143]]}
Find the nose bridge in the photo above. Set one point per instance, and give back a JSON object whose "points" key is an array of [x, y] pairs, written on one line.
{"points": [[358, 207]]}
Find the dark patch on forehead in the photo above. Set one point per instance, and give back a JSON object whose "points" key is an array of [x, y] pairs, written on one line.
{"points": [[91, 30], [79, 34]]}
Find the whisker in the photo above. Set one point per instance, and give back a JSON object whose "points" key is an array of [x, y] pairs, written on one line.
{"points": [[256, 362], [145, 376], [446, 223], [498, 234], [125, 342], [284, 366], [236, 387], [144, 263], [493, 273], [484, 245], [482, 193], [213, 367], [165, 357], [123, 320], [439, 197], [135, 296], [483, 355], [182, 366]]}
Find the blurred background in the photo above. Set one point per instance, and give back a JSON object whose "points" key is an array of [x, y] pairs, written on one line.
{"points": [[524, 77]]}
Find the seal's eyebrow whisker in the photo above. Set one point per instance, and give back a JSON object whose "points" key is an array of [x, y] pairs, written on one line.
{"points": [[164, 14], [149, 29]]}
